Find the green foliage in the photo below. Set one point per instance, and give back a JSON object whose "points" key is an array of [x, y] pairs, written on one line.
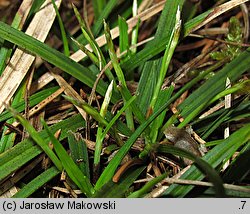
{"points": [[16, 157], [36, 183], [53, 56], [113, 127], [79, 152], [80, 179], [215, 157], [234, 36], [62, 29]]}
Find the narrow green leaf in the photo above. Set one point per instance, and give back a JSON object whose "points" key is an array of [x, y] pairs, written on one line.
{"points": [[91, 55], [123, 37], [198, 100], [162, 36], [35, 7], [127, 96], [110, 169], [37, 183], [147, 82], [79, 152], [243, 86], [98, 7], [33, 100], [97, 27], [135, 31], [216, 123], [147, 187], [215, 157], [36, 137], [169, 51], [88, 109], [99, 138], [118, 114], [239, 111], [118, 190], [119, 72], [6, 48], [16, 157], [113, 56], [62, 29], [7, 141], [188, 26], [53, 56], [69, 165], [239, 169], [157, 124], [20, 154], [201, 164], [93, 44]]}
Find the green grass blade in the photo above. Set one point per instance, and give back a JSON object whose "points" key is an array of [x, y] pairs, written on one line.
{"points": [[16, 157], [36, 137], [203, 94], [96, 115], [69, 165], [62, 29], [135, 31], [190, 9], [79, 152], [157, 124], [91, 40], [110, 169], [113, 56], [86, 33], [99, 138], [205, 168], [91, 55], [216, 123], [35, 7], [20, 154], [162, 36], [127, 96], [224, 116], [6, 48], [147, 187], [104, 15], [53, 56], [215, 157], [170, 47], [241, 86], [119, 72], [189, 85], [7, 141], [33, 100], [147, 82], [88, 109], [239, 112], [123, 37], [118, 190], [99, 22], [188, 26], [98, 6], [239, 169], [37, 183], [118, 114]]}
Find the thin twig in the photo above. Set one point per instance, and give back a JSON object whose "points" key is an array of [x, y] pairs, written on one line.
{"points": [[220, 40]]}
